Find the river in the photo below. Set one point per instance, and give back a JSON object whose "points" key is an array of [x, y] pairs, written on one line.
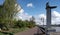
{"points": [[57, 29]]}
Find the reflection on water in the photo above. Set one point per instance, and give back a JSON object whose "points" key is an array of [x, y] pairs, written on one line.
{"points": [[57, 29]]}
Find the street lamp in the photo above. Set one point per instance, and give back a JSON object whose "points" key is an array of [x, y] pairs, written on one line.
{"points": [[42, 20]]}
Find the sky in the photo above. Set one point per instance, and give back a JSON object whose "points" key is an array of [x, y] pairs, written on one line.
{"points": [[38, 6], [37, 9]]}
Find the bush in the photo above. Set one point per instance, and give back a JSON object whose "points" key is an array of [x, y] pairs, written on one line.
{"points": [[20, 24], [25, 23]]}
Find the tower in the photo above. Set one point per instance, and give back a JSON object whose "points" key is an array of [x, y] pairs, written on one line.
{"points": [[48, 14]]}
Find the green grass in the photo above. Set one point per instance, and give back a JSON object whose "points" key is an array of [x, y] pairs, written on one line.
{"points": [[1, 33], [15, 30]]}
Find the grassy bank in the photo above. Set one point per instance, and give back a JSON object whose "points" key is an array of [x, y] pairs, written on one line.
{"points": [[13, 31]]}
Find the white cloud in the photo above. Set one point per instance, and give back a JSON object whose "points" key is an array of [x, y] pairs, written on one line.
{"points": [[29, 5], [19, 9], [55, 14], [25, 16], [42, 16], [21, 14], [39, 20], [55, 18]]}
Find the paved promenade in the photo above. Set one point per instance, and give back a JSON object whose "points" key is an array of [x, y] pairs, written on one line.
{"points": [[29, 32]]}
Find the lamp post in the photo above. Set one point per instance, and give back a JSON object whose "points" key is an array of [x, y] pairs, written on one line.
{"points": [[42, 20]]}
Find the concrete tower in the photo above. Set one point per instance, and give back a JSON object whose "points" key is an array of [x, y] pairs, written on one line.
{"points": [[48, 14]]}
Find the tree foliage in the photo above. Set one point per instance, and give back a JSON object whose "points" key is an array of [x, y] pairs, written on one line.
{"points": [[7, 12], [9, 7], [25, 23]]}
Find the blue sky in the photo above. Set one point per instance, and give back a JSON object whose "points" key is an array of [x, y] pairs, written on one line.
{"points": [[37, 9], [38, 6]]}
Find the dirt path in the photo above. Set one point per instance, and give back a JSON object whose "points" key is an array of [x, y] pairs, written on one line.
{"points": [[28, 32]]}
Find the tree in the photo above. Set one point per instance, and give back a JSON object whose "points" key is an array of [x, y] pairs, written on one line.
{"points": [[32, 22], [7, 12], [9, 7]]}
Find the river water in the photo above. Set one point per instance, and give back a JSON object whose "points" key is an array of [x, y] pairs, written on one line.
{"points": [[57, 29]]}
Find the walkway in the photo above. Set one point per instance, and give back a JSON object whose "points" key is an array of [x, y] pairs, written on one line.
{"points": [[29, 32]]}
